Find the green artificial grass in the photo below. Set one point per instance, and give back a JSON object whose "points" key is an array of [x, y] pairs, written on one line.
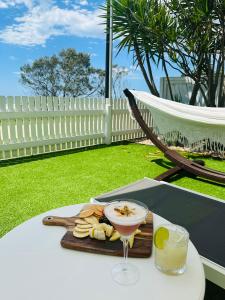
{"points": [[32, 186]]}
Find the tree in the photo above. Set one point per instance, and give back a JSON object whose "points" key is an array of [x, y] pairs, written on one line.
{"points": [[67, 74], [185, 35], [118, 81], [42, 76]]}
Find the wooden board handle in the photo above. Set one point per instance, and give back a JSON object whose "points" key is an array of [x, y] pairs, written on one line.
{"points": [[58, 221]]}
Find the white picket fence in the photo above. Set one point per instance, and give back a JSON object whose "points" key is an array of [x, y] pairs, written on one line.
{"points": [[36, 125]]}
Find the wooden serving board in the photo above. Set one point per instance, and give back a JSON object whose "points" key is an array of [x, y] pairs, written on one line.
{"points": [[142, 243]]}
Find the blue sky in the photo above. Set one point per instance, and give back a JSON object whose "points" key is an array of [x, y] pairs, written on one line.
{"points": [[30, 29]]}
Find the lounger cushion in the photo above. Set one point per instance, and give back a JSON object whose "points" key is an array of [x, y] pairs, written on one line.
{"points": [[202, 216]]}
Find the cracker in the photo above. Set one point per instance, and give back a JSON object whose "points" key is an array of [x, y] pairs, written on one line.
{"points": [[98, 213], [86, 213]]}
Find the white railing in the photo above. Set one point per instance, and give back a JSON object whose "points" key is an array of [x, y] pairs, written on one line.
{"points": [[36, 125]]}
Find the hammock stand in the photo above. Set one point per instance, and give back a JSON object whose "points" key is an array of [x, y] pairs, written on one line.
{"points": [[181, 163]]}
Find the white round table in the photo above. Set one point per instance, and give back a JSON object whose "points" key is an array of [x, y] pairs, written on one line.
{"points": [[35, 267]]}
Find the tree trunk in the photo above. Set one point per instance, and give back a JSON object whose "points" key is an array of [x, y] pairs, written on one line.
{"points": [[211, 97], [150, 86], [150, 72], [167, 78], [204, 96], [221, 100], [194, 93]]}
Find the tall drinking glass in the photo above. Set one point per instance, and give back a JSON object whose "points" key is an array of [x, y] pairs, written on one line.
{"points": [[126, 215], [171, 246]]}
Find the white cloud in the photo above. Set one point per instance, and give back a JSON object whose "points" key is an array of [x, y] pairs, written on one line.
{"points": [[39, 24], [134, 73], [83, 2], [3, 4], [93, 42], [133, 76], [17, 73], [12, 3], [75, 6], [119, 69], [12, 57], [135, 68]]}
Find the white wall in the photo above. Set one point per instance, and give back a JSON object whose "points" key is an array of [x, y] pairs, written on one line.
{"points": [[181, 87]]}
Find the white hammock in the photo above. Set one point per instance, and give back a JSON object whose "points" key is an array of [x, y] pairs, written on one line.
{"points": [[191, 125]]}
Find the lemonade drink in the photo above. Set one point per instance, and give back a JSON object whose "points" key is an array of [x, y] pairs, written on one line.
{"points": [[171, 249]]}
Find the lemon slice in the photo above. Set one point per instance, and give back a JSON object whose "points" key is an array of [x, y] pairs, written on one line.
{"points": [[161, 235]]}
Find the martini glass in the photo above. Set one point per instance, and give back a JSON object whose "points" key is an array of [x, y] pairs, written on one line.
{"points": [[125, 215]]}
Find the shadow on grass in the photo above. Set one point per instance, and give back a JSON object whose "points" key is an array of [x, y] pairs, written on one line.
{"points": [[163, 163], [27, 159], [167, 165], [194, 156]]}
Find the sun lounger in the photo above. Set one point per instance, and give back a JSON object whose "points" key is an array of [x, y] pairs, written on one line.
{"points": [[201, 215]]}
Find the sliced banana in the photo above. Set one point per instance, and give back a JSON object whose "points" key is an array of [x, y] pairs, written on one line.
{"points": [[77, 229], [91, 220], [84, 226], [131, 241], [80, 234], [108, 230], [137, 231], [115, 236], [91, 232], [99, 226], [99, 234]]}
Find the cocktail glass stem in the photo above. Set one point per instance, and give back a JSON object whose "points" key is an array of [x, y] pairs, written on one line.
{"points": [[125, 215], [125, 251]]}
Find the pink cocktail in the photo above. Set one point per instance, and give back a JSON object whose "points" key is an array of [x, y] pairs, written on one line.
{"points": [[125, 230], [126, 216]]}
